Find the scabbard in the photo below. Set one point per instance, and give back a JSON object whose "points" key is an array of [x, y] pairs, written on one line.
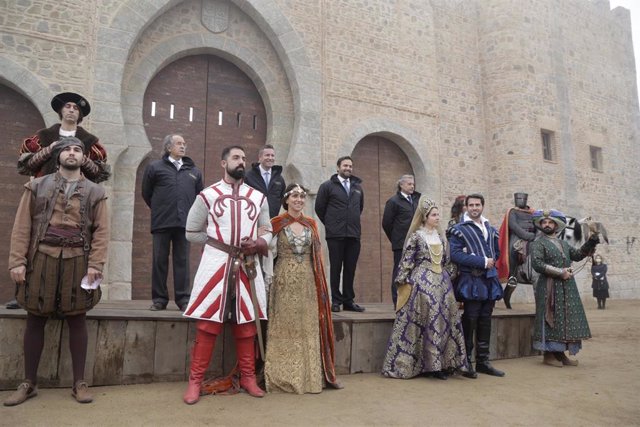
{"points": [[250, 269]]}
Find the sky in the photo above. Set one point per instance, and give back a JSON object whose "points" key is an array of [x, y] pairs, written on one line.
{"points": [[634, 8]]}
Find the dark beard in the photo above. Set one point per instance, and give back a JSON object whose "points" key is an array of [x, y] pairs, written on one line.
{"points": [[237, 173], [70, 167], [548, 230]]}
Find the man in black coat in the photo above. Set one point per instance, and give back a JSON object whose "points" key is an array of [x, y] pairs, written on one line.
{"points": [[339, 204], [169, 187], [266, 177], [398, 213]]}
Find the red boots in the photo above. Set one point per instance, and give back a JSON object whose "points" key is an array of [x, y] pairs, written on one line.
{"points": [[200, 357], [246, 351], [203, 349]]}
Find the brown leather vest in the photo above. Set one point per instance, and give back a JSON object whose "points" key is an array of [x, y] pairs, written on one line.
{"points": [[44, 194]]}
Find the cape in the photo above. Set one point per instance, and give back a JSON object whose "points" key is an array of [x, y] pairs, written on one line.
{"points": [[324, 306]]}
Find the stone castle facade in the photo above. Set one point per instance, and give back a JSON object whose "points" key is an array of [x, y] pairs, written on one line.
{"points": [[466, 88]]}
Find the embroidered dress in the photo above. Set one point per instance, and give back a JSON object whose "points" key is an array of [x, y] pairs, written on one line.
{"points": [[293, 362], [561, 323], [427, 334]]}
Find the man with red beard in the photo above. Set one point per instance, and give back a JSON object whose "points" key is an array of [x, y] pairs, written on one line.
{"points": [[228, 286]]}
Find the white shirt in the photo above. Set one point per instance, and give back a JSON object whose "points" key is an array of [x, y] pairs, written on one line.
{"points": [[483, 229], [263, 171]]}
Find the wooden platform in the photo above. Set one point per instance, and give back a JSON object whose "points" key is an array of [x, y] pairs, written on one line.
{"points": [[129, 344]]}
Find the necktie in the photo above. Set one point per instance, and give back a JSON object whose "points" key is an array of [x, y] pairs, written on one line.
{"points": [[176, 164], [345, 183], [266, 178]]}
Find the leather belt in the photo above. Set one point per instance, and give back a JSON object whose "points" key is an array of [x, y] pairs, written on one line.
{"points": [[475, 272], [237, 257]]}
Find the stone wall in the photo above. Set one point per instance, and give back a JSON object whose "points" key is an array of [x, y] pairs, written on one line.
{"points": [[464, 87]]}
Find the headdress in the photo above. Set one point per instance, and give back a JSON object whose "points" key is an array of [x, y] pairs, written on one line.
{"points": [[552, 214], [427, 205], [297, 189], [64, 143], [61, 99]]}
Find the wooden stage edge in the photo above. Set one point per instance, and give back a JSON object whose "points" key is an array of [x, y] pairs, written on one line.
{"points": [[130, 344]]}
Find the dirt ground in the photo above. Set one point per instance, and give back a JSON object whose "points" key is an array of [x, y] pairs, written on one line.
{"points": [[603, 390]]}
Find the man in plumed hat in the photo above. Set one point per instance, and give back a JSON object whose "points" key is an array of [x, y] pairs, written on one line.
{"points": [[36, 151], [36, 157], [561, 323]]}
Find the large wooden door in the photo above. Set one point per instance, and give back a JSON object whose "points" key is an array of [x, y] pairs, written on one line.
{"points": [[212, 103], [20, 119], [379, 162]]}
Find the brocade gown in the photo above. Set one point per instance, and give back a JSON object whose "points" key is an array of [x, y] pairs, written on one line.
{"points": [[293, 360], [427, 333]]}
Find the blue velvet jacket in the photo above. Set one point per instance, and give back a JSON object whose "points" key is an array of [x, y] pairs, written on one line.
{"points": [[468, 251]]}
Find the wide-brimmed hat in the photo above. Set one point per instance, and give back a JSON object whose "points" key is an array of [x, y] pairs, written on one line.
{"points": [[60, 99], [552, 214]]}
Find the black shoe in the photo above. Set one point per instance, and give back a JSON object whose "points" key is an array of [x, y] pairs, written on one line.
{"points": [[486, 368], [156, 306], [335, 307], [12, 305], [441, 375], [183, 307], [353, 307], [470, 374]]}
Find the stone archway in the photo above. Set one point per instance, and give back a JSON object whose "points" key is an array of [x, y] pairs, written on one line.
{"points": [[379, 162], [212, 103], [20, 119]]}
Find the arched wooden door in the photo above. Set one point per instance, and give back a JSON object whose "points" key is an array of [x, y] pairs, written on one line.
{"points": [[212, 103], [20, 119], [379, 162]]}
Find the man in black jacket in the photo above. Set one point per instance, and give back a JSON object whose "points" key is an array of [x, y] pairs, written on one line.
{"points": [[398, 213], [267, 178], [339, 204], [169, 187]]}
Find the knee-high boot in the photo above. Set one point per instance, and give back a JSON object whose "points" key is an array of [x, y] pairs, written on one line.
{"points": [[203, 346], [468, 329], [482, 354], [246, 352], [511, 285]]}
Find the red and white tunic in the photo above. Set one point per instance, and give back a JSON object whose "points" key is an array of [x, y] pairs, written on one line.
{"points": [[227, 213]]}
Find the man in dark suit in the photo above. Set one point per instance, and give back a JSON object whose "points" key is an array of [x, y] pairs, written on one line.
{"points": [[339, 204], [266, 177], [169, 187], [398, 213]]}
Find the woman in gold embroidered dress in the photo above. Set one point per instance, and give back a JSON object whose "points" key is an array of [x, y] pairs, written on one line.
{"points": [[300, 354], [427, 335]]}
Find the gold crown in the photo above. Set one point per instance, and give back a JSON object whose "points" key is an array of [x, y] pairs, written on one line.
{"points": [[297, 189], [429, 204]]}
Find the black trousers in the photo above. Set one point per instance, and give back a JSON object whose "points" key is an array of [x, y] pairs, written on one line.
{"points": [[343, 257], [174, 240], [397, 256], [477, 309]]}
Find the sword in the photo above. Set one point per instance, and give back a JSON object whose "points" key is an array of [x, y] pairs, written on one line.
{"points": [[250, 268]]}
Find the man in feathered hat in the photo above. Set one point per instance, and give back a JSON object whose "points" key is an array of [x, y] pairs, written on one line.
{"points": [[36, 153], [560, 324]]}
